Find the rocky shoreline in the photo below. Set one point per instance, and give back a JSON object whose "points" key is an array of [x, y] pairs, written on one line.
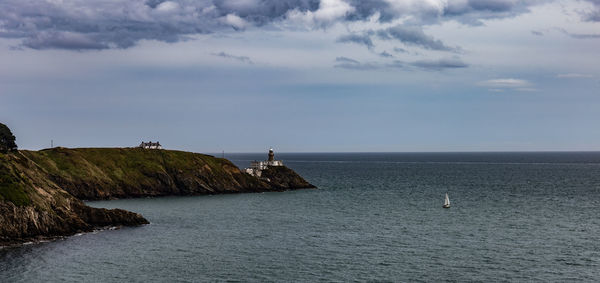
{"points": [[41, 192]]}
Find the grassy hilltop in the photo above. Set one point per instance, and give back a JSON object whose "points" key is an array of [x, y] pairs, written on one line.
{"points": [[103, 173], [41, 191]]}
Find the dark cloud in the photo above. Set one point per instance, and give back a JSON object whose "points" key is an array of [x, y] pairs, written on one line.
{"points": [[472, 12], [584, 35], [409, 35], [348, 63], [343, 59], [538, 33], [580, 35], [263, 11], [430, 65], [360, 67], [413, 35], [400, 50], [96, 24], [363, 39], [365, 9], [594, 14], [491, 5], [385, 54], [62, 40], [440, 64], [244, 59], [100, 24]]}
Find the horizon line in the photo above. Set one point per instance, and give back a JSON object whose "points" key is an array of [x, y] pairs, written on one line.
{"points": [[261, 152]]}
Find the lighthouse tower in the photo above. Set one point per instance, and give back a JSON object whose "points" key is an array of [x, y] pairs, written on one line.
{"points": [[271, 155], [256, 167]]}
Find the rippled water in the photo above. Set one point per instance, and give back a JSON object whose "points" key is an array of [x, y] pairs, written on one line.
{"points": [[375, 217]]}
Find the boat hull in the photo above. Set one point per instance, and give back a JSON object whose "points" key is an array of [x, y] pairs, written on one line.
{"points": [[446, 206]]}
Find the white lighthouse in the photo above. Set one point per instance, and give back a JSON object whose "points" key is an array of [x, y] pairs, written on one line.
{"points": [[256, 167]]}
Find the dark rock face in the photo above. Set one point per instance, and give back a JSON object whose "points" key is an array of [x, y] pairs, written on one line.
{"points": [[110, 217], [22, 224], [285, 178]]}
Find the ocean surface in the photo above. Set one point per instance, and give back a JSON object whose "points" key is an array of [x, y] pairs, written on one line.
{"points": [[517, 217]]}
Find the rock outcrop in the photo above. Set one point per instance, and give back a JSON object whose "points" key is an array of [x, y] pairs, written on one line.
{"points": [[41, 191], [284, 178]]}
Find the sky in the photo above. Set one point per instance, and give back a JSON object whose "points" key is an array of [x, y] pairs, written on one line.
{"points": [[302, 75]]}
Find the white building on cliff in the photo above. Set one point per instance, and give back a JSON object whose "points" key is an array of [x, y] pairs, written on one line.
{"points": [[256, 167], [150, 145]]}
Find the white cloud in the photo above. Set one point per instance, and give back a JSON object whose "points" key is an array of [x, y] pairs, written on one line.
{"points": [[168, 6], [235, 21], [329, 11], [506, 83], [435, 7]]}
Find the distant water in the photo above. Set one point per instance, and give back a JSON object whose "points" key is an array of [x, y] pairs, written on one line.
{"points": [[375, 217]]}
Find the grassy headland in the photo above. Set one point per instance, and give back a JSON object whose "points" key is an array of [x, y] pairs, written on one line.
{"points": [[41, 191]]}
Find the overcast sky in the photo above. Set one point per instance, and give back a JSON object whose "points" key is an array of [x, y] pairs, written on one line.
{"points": [[302, 75]]}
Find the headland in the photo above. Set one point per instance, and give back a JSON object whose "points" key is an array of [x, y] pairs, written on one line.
{"points": [[41, 192]]}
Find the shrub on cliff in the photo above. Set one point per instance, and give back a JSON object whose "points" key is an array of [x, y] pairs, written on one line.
{"points": [[7, 139]]}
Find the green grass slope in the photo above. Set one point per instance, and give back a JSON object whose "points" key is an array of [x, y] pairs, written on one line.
{"points": [[105, 173]]}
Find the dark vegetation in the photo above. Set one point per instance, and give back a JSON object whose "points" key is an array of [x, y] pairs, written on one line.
{"points": [[11, 187], [7, 139]]}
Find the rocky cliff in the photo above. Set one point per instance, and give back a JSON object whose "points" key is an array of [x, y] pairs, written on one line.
{"points": [[40, 191], [33, 207]]}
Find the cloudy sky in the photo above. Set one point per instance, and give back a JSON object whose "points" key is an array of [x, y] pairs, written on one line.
{"points": [[302, 75]]}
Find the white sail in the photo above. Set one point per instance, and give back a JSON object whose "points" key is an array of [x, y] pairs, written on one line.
{"points": [[447, 200]]}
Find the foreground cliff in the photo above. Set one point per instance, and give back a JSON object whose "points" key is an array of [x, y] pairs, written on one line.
{"points": [[40, 191], [32, 207]]}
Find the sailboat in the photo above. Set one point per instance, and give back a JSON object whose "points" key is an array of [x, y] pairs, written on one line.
{"points": [[446, 202]]}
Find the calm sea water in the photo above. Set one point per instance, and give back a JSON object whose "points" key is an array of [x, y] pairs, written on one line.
{"points": [[375, 217]]}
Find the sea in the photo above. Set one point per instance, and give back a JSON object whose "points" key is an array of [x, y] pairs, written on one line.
{"points": [[375, 217]]}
